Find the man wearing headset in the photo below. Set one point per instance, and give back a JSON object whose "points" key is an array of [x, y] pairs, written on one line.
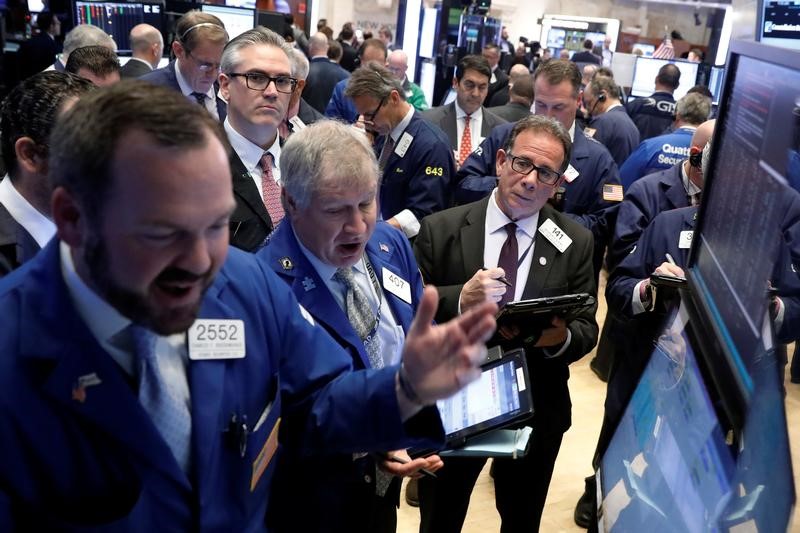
{"points": [[609, 122], [199, 40]]}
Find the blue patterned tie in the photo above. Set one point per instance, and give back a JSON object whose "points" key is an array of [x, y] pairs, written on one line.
{"points": [[168, 411]]}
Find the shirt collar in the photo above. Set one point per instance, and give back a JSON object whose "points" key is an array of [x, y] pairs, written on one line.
{"points": [[401, 127], [249, 152], [572, 132], [186, 87], [691, 188], [325, 271], [497, 220], [100, 317], [39, 226], [460, 113]]}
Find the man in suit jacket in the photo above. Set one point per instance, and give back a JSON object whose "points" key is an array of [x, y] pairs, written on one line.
{"points": [[199, 40], [141, 203], [39, 52], [257, 106], [520, 99], [299, 114], [340, 106], [147, 47], [609, 123], [586, 55], [461, 251], [323, 74], [415, 160], [465, 121], [330, 225], [29, 113], [499, 79]]}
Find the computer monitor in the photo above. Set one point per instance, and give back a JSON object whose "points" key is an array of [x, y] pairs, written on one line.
{"points": [[646, 69], [715, 78], [272, 20], [646, 48], [250, 4], [668, 467], [115, 18], [237, 20], [779, 23], [35, 6], [745, 199]]}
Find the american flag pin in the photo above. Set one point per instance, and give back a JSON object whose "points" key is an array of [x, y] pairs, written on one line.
{"points": [[83, 382], [384, 247]]}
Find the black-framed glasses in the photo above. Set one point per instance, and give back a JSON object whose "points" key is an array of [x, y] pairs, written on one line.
{"points": [[525, 166], [258, 81], [370, 117], [205, 66]]}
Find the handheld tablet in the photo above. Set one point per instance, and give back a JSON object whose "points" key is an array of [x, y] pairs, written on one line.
{"points": [[561, 305], [500, 397]]}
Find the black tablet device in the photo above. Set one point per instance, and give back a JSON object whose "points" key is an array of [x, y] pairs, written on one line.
{"points": [[554, 305], [500, 397], [663, 280]]}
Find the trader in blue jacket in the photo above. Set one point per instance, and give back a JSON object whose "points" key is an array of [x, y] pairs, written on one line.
{"points": [[331, 228], [592, 190], [120, 409]]}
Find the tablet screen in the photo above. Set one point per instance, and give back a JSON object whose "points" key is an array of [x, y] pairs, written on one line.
{"points": [[500, 396]]}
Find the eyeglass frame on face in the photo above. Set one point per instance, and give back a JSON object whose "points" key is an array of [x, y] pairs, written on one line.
{"points": [[204, 66], [541, 172], [248, 78], [370, 117]]}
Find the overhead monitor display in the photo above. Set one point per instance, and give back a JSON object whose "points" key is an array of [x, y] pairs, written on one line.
{"points": [[780, 23], [115, 18], [236, 20], [646, 69]]}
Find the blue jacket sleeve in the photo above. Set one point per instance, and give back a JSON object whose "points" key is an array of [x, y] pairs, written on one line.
{"points": [[478, 175], [634, 166], [340, 106]]}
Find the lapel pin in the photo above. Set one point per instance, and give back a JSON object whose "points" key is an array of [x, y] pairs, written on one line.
{"points": [[309, 284], [79, 389], [542, 261], [286, 263], [384, 247]]}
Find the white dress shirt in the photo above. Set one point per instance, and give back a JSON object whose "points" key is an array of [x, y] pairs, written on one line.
{"points": [[475, 126], [250, 154], [39, 226], [186, 88]]}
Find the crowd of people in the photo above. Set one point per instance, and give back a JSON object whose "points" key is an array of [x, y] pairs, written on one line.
{"points": [[236, 285]]}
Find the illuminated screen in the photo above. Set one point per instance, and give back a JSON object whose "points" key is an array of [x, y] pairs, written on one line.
{"points": [[115, 18], [645, 71], [236, 20]]}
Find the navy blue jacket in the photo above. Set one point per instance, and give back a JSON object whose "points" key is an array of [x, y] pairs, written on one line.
{"points": [[583, 198], [340, 106], [656, 153], [323, 75], [616, 131], [653, 114], [645, 199], [421, 179], [166, 76]]}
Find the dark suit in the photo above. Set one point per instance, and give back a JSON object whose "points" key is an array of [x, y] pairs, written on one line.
{"points": [[500, 83], [616, 131], [444, 117], [585, 56], [323, 75], [512, 111], [134, 69], [36, 54], [16, 245], [250, 224], [166, 76], [499, 98], [449, 250], [350, 60], [91, 458], [341, 491]]}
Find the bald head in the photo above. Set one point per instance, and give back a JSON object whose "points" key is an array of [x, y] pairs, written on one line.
{"points": [[318, 45], [700, 139], [147, 43], [517, 72], [397, 63], [703, 133]]}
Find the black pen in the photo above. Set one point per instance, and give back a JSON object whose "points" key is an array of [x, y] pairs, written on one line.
{"points": [[395, 459], [501, 279]]}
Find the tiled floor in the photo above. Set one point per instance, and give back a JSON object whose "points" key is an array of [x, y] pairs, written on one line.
{"points": [[573, 464]]}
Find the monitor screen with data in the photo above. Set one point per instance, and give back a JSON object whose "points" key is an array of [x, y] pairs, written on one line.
{"points": [[237, 20], [645, 71]]}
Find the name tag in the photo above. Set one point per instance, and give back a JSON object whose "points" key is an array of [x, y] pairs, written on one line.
{"points": [[571, 174], [685, 241], [403, 144], [396, 285], [555, 235], [216, 339], [298, 123]]}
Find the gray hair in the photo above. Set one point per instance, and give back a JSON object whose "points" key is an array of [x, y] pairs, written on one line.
{"points": [[300, 66], [693, 108], [542, 124], [86, 35], [315, 154], [257, 36], [373, 80]]}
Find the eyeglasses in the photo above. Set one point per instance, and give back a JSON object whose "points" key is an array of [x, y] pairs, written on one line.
{"points": [[259, 82], [543, 174], [204, 66], [370, 117]]}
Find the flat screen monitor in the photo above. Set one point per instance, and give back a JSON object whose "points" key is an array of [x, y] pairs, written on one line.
{"points": [[272, 20], [622, 66], [746, 198], [237, 20], [645, 71], [646, 48], [668, 467], [35, 6], [115, 18], [779, 23], [715, 79], [250, 4]]}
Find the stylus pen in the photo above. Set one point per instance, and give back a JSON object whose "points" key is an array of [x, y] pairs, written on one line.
{"points": [[670, 259], [395, 459], [501, 279]]}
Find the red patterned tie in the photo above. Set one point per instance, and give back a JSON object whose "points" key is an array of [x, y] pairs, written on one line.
{"points": [[466, 142], [270, 190]]}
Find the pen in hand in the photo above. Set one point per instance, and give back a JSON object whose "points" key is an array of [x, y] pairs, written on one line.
{"points": [[670, 259], [501, 279]]}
